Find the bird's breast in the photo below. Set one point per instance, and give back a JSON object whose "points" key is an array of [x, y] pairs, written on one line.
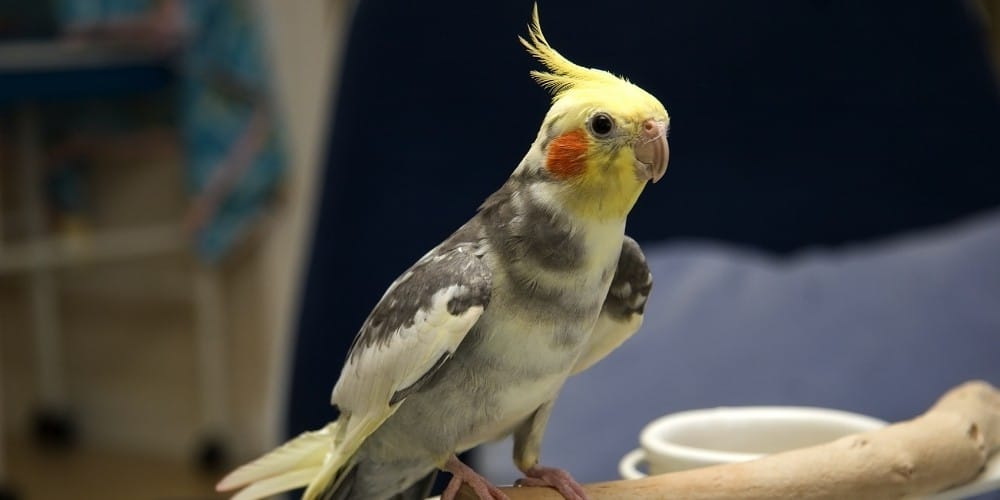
{"points": [[518, 355]]}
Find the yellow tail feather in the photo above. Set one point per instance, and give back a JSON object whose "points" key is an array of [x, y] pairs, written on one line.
{"points": [[291, 466]]}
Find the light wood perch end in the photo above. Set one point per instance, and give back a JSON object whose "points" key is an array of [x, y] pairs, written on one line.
{"points": [[947, 446]]}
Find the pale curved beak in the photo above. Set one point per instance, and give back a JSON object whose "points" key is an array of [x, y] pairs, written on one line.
{"points": [[652, 151]]}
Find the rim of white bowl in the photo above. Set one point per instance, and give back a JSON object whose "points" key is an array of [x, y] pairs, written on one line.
{"points": [[650, 439], [628, 466]]}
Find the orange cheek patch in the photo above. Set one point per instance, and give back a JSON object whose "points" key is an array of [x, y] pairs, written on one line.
{"points": [[567, 154]]}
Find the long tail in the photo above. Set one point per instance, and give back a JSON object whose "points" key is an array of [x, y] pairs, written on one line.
{"points": [[299, 462]]}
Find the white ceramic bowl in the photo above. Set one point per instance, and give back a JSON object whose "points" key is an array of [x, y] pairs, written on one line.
{"points": [[700, 438]]}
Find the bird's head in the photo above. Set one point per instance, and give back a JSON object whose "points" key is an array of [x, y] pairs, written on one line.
{"points": [[602, 139]]}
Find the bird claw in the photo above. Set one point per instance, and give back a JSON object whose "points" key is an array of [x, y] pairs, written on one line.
{"points": [[553, 478], [461, 473]]}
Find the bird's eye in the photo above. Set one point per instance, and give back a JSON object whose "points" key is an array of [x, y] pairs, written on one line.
{"points": [[601, 125]]}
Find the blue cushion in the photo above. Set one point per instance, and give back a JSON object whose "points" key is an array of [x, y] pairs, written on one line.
{"points": [[881, 329]]}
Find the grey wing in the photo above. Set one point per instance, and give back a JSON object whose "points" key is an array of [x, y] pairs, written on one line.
{"points": [[414, 329], [622, 312]]}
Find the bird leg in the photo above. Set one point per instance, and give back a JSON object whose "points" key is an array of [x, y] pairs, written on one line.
{"points": [[528, 444], [461, 473], [555, 478]]}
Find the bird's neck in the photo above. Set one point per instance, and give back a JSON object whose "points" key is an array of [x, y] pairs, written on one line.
{"points": [[604, 193], [531, 226]]}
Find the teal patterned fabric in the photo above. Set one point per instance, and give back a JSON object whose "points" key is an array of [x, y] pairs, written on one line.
{"points": [[225, 84]]}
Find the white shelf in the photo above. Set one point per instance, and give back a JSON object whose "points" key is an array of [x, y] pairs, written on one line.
{"points": [[103, 246]]}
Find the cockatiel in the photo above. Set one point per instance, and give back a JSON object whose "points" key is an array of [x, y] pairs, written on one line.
{"points": [[475, 340]]}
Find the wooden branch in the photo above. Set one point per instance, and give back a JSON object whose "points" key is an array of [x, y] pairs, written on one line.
{"points": [[943, 448]]}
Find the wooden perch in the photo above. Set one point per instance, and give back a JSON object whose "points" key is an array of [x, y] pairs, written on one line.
{"points": [[945, 447]]}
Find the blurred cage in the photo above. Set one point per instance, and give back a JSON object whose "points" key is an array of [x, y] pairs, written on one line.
{"points": [[135, 152]]}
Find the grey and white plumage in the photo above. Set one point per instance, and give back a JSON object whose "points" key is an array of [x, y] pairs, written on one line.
{"points": [[530, 336], [479, 335], [475, 340]]}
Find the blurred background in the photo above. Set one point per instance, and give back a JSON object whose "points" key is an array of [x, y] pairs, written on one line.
{"points": [[158, 161], [200, 201]]}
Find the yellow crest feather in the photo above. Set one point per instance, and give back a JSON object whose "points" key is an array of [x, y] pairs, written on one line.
{"points": [[563, 74]]}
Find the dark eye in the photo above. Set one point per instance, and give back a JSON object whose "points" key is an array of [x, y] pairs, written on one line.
{"points": [[601, 125]]}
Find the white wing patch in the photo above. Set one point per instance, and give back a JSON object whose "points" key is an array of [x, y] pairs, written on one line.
{"points": [[370, 379]]}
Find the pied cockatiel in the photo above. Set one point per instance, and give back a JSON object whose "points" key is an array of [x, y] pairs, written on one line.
{"points": [[474, 342]]}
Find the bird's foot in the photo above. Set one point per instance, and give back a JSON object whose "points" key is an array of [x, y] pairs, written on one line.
{"points": [[461, 473], [554, 478]]}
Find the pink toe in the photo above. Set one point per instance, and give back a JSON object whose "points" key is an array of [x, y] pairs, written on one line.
{"points": [[552, 477]]}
